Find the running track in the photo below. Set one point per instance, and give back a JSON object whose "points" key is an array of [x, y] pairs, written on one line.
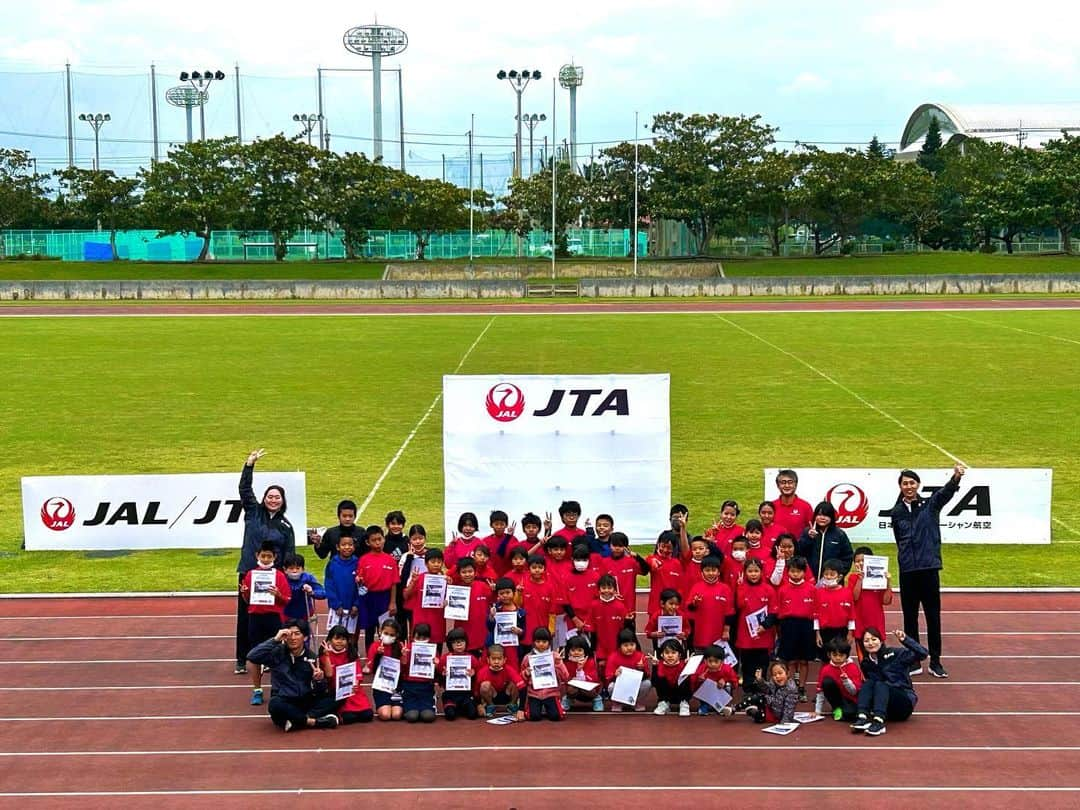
{"points": [[132, 702], [702, 306]]}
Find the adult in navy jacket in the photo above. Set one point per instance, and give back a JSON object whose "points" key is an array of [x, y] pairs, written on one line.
{"points": [[917, 530], [263, 520], [824, 540], [886, 692], [301, 696]]}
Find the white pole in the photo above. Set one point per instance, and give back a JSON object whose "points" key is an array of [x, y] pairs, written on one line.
{"points": [[472, 123], [554, 175], [634, 247]]}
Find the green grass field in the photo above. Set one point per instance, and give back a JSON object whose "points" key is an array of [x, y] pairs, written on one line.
{"points": [[336, 397], [888, 264]]}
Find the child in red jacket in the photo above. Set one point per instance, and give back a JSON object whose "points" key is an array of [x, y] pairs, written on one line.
{"points": [[608, 616], [710, 602], [796, 612], [414, 597], [337, 650], [671, 609], [869, 605], [499, 684], [580, 590], [264, 620], [754, 597], [665, 679], [376, 581], [543, 701], [581, 666], [834, 607], [625, 565], [713, 668], [839, 682], [665, 569], [628, 656], [481, 598]]}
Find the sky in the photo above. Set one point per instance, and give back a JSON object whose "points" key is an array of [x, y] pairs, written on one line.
{"points": [[830, 73]]}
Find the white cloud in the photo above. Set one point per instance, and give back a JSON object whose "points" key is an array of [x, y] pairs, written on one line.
{"points": [[806, 83]]}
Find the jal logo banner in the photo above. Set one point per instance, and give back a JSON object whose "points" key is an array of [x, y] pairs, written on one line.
{"points": [[998, 505], [84, 512], [525, 443]]}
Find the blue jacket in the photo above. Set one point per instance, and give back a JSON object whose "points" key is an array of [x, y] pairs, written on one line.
{"points": [[833, 544], [340, 579], [300, 605], [290, 677], [259, 525], [917, 530], [892, 665]]}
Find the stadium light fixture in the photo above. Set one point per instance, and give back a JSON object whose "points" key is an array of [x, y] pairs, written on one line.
{"points": [[531, 121], [96, 122], [518, 83], [201, 80], [308, 122]]}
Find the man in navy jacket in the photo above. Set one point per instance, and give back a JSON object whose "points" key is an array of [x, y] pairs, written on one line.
{"points": [[916, 527]]}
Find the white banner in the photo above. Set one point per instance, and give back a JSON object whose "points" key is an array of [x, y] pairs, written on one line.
{"points": [[528, 442], [1003, 505], [81, 512]]}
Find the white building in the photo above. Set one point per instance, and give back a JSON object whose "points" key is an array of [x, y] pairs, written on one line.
{"points": [[1024, 125]]}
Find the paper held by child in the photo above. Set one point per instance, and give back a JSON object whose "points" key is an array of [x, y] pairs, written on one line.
{"points": [[692, 664], [434, 594], [543, 671], [781, 728], [669, 625], [261, 583], [584, 686], [802, 718], [457, 669], [505, 622], [344, 680], [626, 686], [755, 620], [341, 618], [712, 695], [729, 654], [457, 602], [383, 617], [874, 573], [387, 675], [422, 660]]}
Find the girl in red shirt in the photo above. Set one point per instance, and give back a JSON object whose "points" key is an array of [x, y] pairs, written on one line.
{"points": [[628, 656], [726, 528], [581, 666], [753, 596], [338, 650], [376, 581]]}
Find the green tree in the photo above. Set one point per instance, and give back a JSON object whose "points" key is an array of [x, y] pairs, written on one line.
{"points": [[876, 151], [704, 169], [22, 193], [281, 181], [994, 182], [531, 198], [929, 157], [774, 193], [609, 185], [428, 207], [837, 191], [353, 193], [197, 189], [102, 198], [1054, 187], [925, 206]]}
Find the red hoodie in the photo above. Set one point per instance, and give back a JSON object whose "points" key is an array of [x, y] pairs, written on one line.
{"points": [[710, 614], [749, 599]]}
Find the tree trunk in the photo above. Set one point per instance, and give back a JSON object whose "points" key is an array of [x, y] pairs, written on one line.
{"points": [[1066, 242], [205, 246], [774, 238], [279, 247], [112, 244], [421, 245]]}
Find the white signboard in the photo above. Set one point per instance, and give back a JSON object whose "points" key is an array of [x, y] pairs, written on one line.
{"points": [[82, 512], [525, 443], [1003, 505]]}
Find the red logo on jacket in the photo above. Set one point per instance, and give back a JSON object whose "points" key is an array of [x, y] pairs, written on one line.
{"points": [[505, 402], [852, 505], [58, 514]]}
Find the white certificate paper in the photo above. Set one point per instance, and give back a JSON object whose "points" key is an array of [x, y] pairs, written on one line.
{"points": [[457, 678], [505, 622], [434, 591], [627, 684], [711, 694], [754, 620], [781, 728], [457, 602], [692, 664], [341, 618], [543, 671], [387, 675], [261, 583], [669, 625], [422, 660], [344, 680], [874, 570]]}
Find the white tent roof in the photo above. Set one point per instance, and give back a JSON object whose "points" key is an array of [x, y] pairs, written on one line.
{"points": [[1037, 123]]}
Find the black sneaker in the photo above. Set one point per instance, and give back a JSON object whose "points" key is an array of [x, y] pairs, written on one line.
{"points": [[327, 721], [915, 670], [876, 728], [802, 696], [937, 670], [861, 724]]}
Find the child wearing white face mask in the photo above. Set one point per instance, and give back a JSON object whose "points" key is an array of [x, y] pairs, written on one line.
{"points": [[580, 588], [834, 608], [305, 590]]}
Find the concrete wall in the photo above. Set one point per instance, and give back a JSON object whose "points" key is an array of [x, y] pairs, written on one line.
{"points": [[494, 288], [421, 271]]}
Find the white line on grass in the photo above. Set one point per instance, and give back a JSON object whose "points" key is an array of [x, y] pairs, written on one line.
{"points": [[1011, 328], [420, 424], [844, 388]]}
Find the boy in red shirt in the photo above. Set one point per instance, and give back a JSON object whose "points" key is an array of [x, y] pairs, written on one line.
{"points": [[839, 682], [714, 669], [710, 602], [692, 559], [504, 603], [834, 607], [264, 621], [869, 605], [540, 596], [518, 571], [457, 702], [377, 581], [530, 527], [665, 569], [480, 599], [796, 612], [608, 616], [569, 513], [792, 513], [625, 565], [499, 684], [670, 606], [627, 656], [580, 589], [499, 537], [485, 571], [665, 679], [544, 702], [432, 617]]}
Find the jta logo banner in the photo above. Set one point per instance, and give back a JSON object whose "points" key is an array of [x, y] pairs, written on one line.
{"points": [[527, 442], [1003, 505], [80, 512]]}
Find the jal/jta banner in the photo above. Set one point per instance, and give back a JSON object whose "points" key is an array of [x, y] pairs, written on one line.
{"points": [[528, 442], [1001, 505], [82, 512]]}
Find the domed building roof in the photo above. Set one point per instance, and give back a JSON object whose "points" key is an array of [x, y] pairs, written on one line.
{"points": [[1030, 125]]}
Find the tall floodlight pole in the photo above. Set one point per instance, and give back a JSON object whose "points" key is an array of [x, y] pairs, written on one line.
{"points": [[308, 122], [376, 41], [634, 247], [472, 125], [531, 121], [570, 77], [186, 97], [200, 81], [519, 80], [96, 121]]}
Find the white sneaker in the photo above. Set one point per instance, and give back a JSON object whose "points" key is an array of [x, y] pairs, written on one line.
{"points": [[915, 671], [684, 708], [662, 708]]}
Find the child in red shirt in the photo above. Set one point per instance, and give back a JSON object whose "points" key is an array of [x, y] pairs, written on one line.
{"points": [[338, 650], [665, 569], [569, 513], [713, 668], [625, 565], [766, 513], [783, 552], [504, 603], [485, 570], [581, 666], [692, 559], [376, 581], [432, 617], [671, 606], [540, 596], [465, 539], [710, 602], [264, 621], [387, 704], [796, 613], [457, 702], [869, 605], [499, 684], [608, 616], [530, 527], [834, 607], [753, 596], [665, 679], [544, 702], [726, 528], [627, 656], [518, 571], [580, 589], [480, 600], [839, 682], [755, 543], [499, 538]]}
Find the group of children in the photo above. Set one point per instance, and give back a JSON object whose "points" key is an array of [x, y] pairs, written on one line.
{"points": [[550, 619]]}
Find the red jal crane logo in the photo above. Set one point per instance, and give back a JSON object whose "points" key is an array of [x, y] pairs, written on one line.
{"points": [[58, 514], [505, 402], [852, 505]]}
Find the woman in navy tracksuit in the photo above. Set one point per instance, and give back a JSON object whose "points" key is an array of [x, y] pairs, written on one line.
{"points": [[886, 692], [263, 520]]}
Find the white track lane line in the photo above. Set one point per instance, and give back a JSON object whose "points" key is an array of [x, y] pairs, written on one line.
{"points": [[408, 439]]}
